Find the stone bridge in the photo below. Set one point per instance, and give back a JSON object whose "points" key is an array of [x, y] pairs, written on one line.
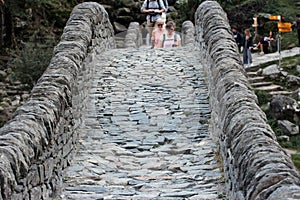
{"points": [[140, 123]]}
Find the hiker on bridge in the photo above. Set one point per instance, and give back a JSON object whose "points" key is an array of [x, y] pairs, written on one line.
{"points": [[170, 38], [157, 33], [154, 10]]}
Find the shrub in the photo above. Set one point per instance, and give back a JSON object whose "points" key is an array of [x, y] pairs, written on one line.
{"points": [[296, 160], [31, 61]]}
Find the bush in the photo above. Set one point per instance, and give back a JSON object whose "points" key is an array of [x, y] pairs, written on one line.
{"points": [[296, 160], [31, 61]]}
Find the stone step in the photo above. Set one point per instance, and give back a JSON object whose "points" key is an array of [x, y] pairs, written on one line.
{"points": [[256, 79], [260, 84], [269, 88], [251, 74], [281, 92]]}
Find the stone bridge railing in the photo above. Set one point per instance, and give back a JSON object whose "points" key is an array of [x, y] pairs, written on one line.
{"points": [[40, 139], [38, 143], [255, 165]]}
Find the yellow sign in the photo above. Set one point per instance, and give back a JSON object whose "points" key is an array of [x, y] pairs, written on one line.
{"points": [[275, 17], [284, 27]]}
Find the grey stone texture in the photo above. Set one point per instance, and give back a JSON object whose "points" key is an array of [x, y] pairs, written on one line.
{"points": [[255, 166], [146, 133], [143, 133], [40, 139], [188, 33], [133, 38]]}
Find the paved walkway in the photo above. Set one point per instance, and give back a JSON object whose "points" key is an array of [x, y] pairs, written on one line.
{"points": [[259, 59], [147, 134]]}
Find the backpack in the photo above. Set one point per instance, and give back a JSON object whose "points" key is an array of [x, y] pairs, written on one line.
{"points": [[165, 2]]}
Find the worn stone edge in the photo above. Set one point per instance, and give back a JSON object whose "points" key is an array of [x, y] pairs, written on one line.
{"points": [[39, 140], [255, 166]]}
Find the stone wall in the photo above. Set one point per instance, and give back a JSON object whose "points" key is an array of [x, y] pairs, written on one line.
{"points": [[133, 38], [188, 33], [40, 139], [255, 165]]}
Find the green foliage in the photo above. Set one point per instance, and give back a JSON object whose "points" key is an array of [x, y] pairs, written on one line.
{"points": [[183, 13], [296, 160], [290, 65], [31, 61], [263, 97], [293, 143], [2, 122]]}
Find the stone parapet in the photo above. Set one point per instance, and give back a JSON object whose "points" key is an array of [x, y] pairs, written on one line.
{"points": [[38, 143], [255, 166], [133, 38], [188, 33]]}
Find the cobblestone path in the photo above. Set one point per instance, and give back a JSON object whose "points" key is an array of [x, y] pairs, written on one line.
{"points": [[147, 133]]}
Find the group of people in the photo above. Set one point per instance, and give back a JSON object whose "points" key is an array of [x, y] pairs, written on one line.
{"points": [[162, 34], [246, 45]]}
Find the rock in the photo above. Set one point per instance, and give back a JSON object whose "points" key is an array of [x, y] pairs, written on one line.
{"points": [[284, 108], [283, 138], [119, 27], [3, 75], [298, 68], [123, 11], [288, 128], [25, 96], [293, 80], [16, 101], [4, 104], [296, 94], [283, 73], [271, 70], [188, 30], [3, 93]]}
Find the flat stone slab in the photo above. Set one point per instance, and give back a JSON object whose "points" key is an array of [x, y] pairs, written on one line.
{"points": [[146, 132], [269, 88]]}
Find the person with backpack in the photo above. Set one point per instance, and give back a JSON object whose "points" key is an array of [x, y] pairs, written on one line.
{"points": [[170, 38], [154, 10]]}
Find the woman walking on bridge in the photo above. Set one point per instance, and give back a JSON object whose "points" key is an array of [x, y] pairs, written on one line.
{"points": [[170, 38], [157, 33], [248, 46]]}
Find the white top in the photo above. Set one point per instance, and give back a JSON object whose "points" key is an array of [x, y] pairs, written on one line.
{"points": [[169, 41]]}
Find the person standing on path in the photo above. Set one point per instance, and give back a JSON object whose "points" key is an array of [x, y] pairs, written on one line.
{"points": [[238, 38], [170, 38], [154, 10], [157, 33], [248, 45], [298, 28]]}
